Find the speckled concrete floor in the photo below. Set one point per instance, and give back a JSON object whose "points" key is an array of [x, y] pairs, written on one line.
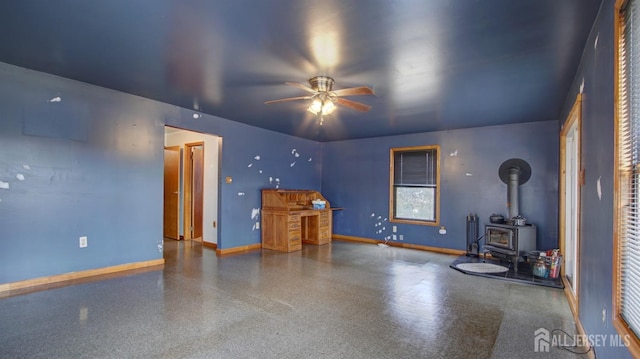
{"points": [[342, 300]]}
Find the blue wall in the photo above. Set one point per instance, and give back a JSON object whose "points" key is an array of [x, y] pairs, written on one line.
{"points": [[356, 176], [596, 250], [92, 165]]}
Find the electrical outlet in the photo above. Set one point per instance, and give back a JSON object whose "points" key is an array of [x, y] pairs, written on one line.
{"points": [[83, 242], [401, 237], [442, 230], [395, 229], [394, 237], [258, 225]]}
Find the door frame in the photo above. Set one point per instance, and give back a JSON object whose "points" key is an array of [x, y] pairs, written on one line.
{"points": [[574, 119], [188, 190], [177, 237]]}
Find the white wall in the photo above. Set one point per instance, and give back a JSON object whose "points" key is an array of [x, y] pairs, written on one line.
{"points": [[210, 201]]}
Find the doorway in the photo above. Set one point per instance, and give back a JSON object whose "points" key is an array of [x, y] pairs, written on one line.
{"points": [[198, 184], [571, 178]]}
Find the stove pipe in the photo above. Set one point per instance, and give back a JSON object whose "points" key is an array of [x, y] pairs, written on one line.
{"points": [[514, 172], [512, 192]]}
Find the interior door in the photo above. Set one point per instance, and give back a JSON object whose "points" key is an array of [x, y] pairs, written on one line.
{"points": [[171, 191], [198, 189], [571, 222], [571, 179]]}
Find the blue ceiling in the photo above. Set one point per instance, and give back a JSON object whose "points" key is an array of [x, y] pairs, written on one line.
{"points": [[433, 64]]}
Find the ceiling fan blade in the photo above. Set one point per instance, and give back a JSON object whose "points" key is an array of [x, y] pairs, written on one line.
{"points": [[301, 86], [354, 91], [288, 99], [352, 104]]}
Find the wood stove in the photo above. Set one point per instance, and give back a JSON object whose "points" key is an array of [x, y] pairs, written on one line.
{"points": [[510, 242]]}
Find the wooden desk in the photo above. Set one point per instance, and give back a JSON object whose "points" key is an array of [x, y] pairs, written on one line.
{"points": [[288, 220]]}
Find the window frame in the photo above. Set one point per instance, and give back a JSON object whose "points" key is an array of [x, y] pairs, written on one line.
{"points": [[621, 176], [392, 202]]}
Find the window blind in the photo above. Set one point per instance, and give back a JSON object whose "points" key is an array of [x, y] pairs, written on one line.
{"points": [[415, 168], [629, 166]]}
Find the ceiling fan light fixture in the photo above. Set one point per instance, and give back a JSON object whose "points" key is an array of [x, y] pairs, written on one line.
{"points": [[321, 107], [328, 107], [315, 107]]}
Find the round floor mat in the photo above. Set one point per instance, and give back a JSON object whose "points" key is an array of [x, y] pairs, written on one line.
{"points": [[481, 268]]}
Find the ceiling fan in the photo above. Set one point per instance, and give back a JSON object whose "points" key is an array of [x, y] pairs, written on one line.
{"points": [[324, 98]]}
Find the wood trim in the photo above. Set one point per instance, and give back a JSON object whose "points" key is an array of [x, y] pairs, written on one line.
{"points": [[448, 251], [186, 187], [342, 237], [240, 249], [210, 245], [574, 117], [437, 223], [78, 275], [198, 163], [616, 164], [573, 302], [186, 193], [391, 182], [583, 334], [576, 318], [618, 323]]}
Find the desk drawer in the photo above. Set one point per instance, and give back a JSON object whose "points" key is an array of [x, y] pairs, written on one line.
{"points": [[294, 226], [294, 237], [294, 218], [294, 222]]}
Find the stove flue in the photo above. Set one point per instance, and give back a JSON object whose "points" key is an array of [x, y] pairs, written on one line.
{"points": [[513, 173], [512, 240]]}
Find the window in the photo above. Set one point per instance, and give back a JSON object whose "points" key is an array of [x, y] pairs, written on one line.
{"points": [[626, 261], [415, 191]]}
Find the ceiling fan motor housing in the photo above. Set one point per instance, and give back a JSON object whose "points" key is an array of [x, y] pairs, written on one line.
{"points": [[321, 83]]}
